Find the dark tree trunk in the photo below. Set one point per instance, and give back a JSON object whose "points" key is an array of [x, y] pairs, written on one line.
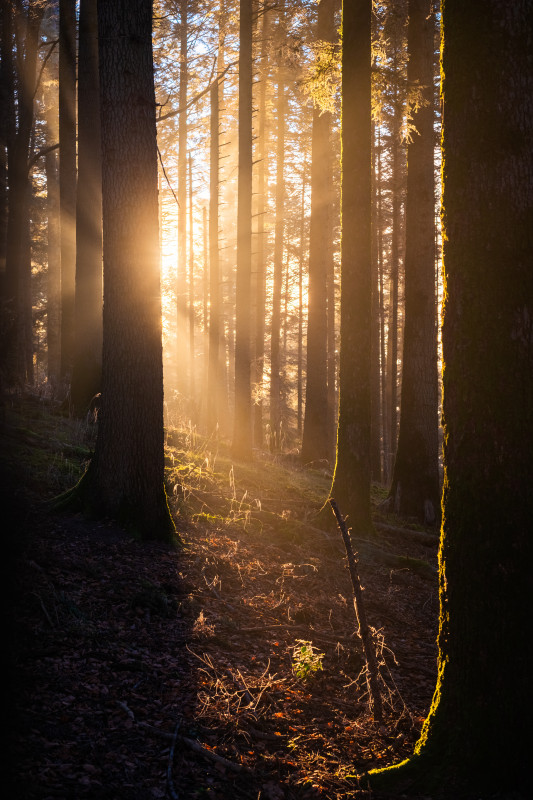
{"points": [[181, 282], [125, 478], [67, 178], [17, 309], [279, 224], [192, 375], [53, 284], [316, 444], [214, 372], [351, 481], [473, 743], [242, 432], [415, 483], [262, 189], [87, 369]]}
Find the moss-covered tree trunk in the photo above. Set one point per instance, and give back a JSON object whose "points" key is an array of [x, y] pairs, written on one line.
{"points": [[475, 742], [125, 477], [351, 481], [415, 487]]}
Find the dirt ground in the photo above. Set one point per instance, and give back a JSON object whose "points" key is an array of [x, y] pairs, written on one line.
{"points": [[228, 669]]}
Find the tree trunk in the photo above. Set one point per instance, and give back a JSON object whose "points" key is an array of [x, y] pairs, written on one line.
{"points": [[279, 221], [473, 743], [214, 372], [87, 369], [192, 376], [67, 177], [316, 444], [351, 481], [181, 282], [53, 284], [125, 477], [415, 487], [262, 190], [242, 432], [17, 311]]}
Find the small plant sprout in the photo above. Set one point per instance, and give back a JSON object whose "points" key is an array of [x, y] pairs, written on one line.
{"points": [[306, 660]]}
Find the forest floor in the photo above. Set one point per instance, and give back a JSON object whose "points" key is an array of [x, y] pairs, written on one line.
{"points": [[229, 669]]}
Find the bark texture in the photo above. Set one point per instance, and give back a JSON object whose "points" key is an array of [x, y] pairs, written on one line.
{"points": [[474, 742], [316, 444], [415, 487], [351, 481], [125, 477], [242, 430], [87, 369]]}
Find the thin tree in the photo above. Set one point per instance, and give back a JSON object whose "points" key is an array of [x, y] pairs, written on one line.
{"points": [[213, 374], [415, 483], [181, 282], [351, 480], [67, 177], [316, 443], [474, 727], [242, 431], [17, 309], [279, 226], [125, 477], [87, 369]]}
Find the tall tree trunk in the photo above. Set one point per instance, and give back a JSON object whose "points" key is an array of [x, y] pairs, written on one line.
{"points": [[192, 375], [53, 284], [275, 329], [415, 483], [301, 265], [375, 434], [87, 369], [181, 282], [351, 480], [242, 431], [482, 696], [214, 372], [17, 311], [262, 190], [125, 478], [316, 443], [67, 177]]}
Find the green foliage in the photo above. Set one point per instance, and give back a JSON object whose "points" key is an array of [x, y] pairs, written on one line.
{"points": [[306, 660]]}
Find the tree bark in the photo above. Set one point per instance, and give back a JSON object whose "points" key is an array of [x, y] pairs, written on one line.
{"points": [[415, 487], [67, 178], [316, 445], [87, 369], [242, 430], [473, 743], [125, 478], [351, 480]]}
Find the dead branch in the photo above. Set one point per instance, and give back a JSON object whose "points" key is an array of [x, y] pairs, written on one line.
{"points": [[364, 630]]}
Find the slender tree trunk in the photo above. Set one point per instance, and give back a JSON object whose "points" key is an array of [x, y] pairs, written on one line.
{"points": [[275, 330], [53, 284], [192, 375], [67, 177], [392, 349], [214, 372], [87, 370], [17, 311], [415, 483], [242, 433], [181, 283], [301, 259], [483, 693], [351, 480], [125, 477], [375, 454], [262, 190], [316, 444]]}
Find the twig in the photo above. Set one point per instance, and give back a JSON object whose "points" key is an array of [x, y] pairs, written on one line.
{"points": [[364, 630], [170, 782]]}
